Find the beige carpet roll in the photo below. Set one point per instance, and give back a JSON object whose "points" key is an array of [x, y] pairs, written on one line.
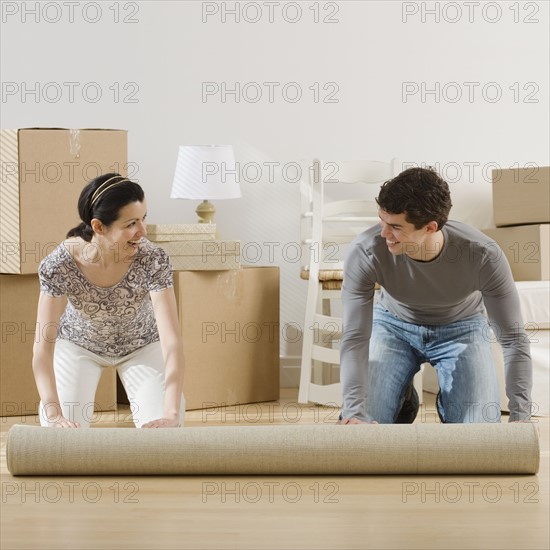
{"points": [[276, 449]]}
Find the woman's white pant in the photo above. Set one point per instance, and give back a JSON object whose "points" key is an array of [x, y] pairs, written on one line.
{"points": [[77, 373]]}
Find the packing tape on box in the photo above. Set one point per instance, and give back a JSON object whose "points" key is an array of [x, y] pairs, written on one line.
{"points": [[276, 450], [74, 143]]}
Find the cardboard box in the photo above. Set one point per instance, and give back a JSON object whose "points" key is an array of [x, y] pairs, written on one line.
{"points": [[203, 255], [18, 393], [42, 172], [527, 248], [182, 232], [230, 328], [521, 196]]}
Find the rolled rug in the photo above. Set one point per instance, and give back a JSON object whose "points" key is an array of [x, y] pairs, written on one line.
{"points": [[276, 450]]}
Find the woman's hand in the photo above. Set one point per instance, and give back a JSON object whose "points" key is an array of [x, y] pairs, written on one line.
{"points": [[62, 422], [163, 423]]}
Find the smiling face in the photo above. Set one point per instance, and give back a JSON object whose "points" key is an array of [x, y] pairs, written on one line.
{"points": [[403, 237], [126, 231]]}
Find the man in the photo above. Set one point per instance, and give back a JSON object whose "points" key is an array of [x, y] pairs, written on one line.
{"points": [[437, 279]]}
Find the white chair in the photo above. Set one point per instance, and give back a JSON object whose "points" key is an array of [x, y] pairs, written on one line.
{"points": [[327, 226]]}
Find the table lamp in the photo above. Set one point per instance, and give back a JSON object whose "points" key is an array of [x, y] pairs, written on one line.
{"points": [[206, 172]]}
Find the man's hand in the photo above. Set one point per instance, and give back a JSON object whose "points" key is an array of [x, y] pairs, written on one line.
{"points": [[354, 421], [163, 423]]}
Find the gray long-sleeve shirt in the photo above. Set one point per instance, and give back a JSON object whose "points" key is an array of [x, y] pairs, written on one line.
{"points": [[469, 276]]}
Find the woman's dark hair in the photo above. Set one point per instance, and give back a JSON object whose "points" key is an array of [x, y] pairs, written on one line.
{"points": [[102, 199], [421, 193]]}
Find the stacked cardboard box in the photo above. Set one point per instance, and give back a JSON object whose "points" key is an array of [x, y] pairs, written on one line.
{"points": [[18, 393], [521, 203], [166, 232], [42, 172], [521, 196], [230, 329], [193, 247], [527, 249], [521, 208]]}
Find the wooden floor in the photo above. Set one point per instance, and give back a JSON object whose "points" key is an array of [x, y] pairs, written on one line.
{"points": [[462, 512]]}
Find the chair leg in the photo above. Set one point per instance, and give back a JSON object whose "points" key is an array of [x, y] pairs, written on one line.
{"points": [[308, 335], [326, 367]]}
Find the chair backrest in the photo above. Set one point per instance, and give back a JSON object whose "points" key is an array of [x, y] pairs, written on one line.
{"points": [[338, 204]]}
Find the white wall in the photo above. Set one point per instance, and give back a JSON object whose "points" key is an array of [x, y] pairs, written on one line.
{"points": [[160, 61]]}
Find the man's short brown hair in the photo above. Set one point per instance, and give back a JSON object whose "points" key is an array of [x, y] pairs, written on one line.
{"points": [[421, 193]]}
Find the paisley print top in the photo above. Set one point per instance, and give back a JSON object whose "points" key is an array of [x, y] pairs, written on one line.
{"points": [[111, 321]]}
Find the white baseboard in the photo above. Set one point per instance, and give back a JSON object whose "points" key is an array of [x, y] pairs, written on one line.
{"points": [[289, 371]]}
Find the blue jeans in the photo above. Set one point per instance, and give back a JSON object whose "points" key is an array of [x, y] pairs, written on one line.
{"points": [[461, 354]]}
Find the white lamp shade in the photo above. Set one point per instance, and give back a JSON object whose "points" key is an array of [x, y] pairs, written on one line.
{"points": [[206, 172]]}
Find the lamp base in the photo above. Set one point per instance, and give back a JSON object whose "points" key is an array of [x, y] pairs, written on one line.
{"points": [[205, 211]]}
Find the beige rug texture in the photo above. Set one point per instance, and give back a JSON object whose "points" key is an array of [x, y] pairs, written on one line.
{"points": [[276, 450]]}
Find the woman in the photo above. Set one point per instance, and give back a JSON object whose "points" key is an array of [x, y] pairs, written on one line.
{"points": [[108, 294]]}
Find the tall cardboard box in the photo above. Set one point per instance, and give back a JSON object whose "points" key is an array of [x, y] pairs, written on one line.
{"points": [[18, 393], [42, 172], [230, 328], [527, 248], [521, 196]]}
